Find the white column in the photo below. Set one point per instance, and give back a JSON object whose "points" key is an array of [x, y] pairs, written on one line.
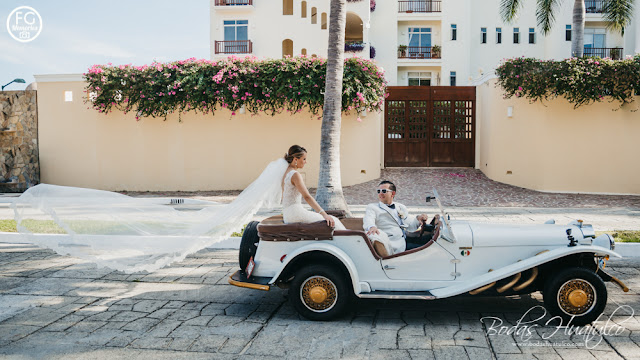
{"points": [[635, 26]]}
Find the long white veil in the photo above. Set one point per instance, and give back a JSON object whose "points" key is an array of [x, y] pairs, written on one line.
{"points": [[133, 234]]}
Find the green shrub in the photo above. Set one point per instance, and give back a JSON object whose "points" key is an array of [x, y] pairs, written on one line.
{"points": [[261, 86], [581, 81]]}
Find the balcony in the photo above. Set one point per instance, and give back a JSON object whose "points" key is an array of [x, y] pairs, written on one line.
{"points": [[613, 53], [234, 2], [416, 6], [594, 6], [419, 52], [234, 5], [234, 47]]}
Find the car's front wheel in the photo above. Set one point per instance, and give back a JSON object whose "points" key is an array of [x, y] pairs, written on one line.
{"points": [[320, 292], [575, 294]]}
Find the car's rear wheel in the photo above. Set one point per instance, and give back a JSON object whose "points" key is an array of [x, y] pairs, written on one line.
{"points": [[320, 292], [575, 294], [248, 244]]}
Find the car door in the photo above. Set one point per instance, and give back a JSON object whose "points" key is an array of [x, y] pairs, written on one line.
{"points": [[431, 263]]}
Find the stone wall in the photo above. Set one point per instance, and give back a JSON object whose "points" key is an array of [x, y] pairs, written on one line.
{"points": [[19, 165]]}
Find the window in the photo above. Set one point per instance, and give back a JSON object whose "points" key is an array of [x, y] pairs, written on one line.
{"points": [[323, 24], [419, 42], [532, 35], [498, 35], [314, 15], [303, 8], [454, 32], [287, 7], [452, 78], [419, 78], [516, 35], [287, 48], [303, 52], [483, 38], [235, 30], [567, 33], [594, 42]]}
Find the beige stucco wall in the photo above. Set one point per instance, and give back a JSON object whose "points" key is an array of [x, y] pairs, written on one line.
{"points": [[81, 147], [554, 147]]}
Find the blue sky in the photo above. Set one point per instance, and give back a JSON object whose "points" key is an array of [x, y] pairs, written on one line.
{"points": [[78, 34]]}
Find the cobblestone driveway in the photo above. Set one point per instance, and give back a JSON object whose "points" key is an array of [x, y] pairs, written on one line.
{"points": [[53, 306]]}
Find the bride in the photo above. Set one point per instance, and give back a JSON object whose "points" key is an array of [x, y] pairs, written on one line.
{"points": [[294, 189], [137, 234]]}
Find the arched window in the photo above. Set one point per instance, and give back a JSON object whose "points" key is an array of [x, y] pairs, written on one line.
{"points": [[303, 7], [314, 15], [303, 52], [324, 21], [287, 7], [353, 29], [314, 56], [287, 47]]}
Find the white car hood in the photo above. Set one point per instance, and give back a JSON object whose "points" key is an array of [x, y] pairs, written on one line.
{"points": [[485, 235]]}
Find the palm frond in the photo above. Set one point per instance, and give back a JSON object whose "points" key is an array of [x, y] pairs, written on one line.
{"points": [[509, 9], [545, 13], [618, 14]]}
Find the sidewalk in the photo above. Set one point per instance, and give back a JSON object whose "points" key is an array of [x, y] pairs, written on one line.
{"points": [[58, 307]]}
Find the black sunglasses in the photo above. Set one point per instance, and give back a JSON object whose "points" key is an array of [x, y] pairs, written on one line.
{"points": [[384, 191]]}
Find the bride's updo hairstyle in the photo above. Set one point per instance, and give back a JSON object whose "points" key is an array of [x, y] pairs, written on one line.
{"points": [[294, 152]]}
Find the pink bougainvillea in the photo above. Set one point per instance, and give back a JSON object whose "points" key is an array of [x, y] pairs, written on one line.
{"points": [[261, 86]]}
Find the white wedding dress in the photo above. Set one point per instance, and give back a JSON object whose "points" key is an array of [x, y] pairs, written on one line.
{"points": [[136, 234], [293, 211]]}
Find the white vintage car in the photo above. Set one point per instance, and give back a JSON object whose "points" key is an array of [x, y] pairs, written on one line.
{"points": [[324, 268]]}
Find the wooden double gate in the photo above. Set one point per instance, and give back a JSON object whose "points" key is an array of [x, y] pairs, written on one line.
{"points": [[430, 126]]}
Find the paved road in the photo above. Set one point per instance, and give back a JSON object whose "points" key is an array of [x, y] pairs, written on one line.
{"points": [[53, 306]]}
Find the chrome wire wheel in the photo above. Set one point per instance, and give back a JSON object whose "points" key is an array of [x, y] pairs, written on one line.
{"points": [[318, 294], [576, 297]]}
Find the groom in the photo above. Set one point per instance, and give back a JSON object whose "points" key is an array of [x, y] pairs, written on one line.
{"points": [[388, 224]]}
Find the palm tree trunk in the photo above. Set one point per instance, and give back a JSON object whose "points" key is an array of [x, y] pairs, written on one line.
{"points": [[329, 194], [577, 32]]}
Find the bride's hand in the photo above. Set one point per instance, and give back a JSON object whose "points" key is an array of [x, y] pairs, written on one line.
{"points": [[329, 219]]}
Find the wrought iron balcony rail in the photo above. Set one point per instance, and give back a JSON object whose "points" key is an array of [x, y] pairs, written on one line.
{"points": [[594, 6], [613, 53], [233, 2], [234, 47], [425, 6], [419, 52]]}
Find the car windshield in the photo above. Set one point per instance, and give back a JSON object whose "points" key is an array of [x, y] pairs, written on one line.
{"points": [[449, 234]]}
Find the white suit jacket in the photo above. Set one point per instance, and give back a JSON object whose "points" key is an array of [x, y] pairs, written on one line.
{"points": [[379, 215]]}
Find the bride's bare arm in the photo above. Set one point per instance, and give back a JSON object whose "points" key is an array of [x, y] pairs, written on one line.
{"points": [[298, 182]]}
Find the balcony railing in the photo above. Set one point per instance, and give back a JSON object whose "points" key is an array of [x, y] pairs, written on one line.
{"points": [[233, 2], [594, 6], [425, 6], [613, 53], [234, 47], [419, 52]]}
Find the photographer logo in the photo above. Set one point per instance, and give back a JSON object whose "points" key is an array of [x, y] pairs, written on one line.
{"points": [[24, 24]]}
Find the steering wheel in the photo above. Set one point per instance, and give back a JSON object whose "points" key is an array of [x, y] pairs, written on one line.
{"points": [[435, 221], [423, 228]]}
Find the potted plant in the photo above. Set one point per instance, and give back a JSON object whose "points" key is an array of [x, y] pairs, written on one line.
{"points": [[435, 51], [402, 50], [354, 46], [615, 54]]}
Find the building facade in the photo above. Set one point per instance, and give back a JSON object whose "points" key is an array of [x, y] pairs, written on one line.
{"points": [[416, 42]]}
